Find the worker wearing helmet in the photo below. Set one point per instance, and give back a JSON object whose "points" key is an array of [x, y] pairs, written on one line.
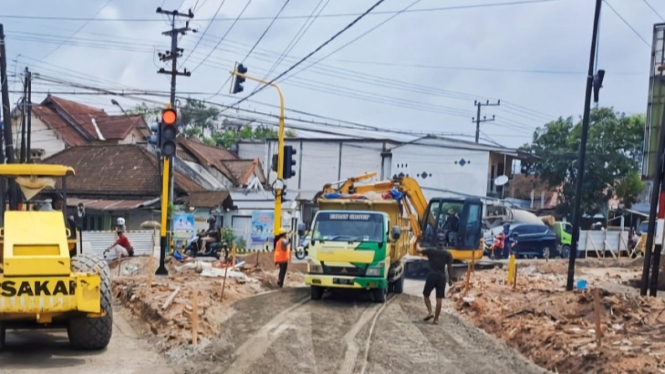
{"points": [[282, 254]]}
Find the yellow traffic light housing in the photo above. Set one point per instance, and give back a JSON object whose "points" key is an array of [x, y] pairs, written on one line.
{"points": [[168, 132]]}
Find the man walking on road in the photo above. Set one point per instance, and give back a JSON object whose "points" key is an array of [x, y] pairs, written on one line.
{"points": [[282, 254], [439, 259]]}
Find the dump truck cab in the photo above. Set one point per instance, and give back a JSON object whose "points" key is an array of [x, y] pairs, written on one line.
{"points": [[45, 279], [357, 244]]}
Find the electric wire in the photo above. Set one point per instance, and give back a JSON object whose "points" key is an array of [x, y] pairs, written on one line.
{"points": [[626, 23], [314, 51], [263, 18], [301, 32], [222, 38], [354, 39], [79, 29], [653, 9], [221, 4]]}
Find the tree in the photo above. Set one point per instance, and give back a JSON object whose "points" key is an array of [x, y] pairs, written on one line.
{"points": [[197, 114], [198, 119], [627, 189], [614, 150], [149, 112]]}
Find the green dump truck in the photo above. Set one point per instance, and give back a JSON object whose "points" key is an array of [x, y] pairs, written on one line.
{"points": [[358, 244]]}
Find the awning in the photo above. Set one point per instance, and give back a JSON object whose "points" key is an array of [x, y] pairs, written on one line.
{"points": [[110, 205]]}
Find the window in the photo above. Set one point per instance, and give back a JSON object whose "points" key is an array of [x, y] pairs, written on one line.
{"points": [[341, 226]]}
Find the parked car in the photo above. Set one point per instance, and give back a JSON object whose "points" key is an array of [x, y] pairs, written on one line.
{"points": [[533, 241]]}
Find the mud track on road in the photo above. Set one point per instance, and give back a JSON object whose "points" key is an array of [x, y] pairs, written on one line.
{"points": [[284, 332]]}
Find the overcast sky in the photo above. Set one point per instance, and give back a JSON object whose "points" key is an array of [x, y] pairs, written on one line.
{"points": [[420, 71]]}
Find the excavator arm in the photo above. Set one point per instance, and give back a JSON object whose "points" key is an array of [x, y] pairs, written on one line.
{"points": [[407, 186]]}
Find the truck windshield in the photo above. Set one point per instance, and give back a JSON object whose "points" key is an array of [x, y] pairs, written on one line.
{"points": [[365, 227]]}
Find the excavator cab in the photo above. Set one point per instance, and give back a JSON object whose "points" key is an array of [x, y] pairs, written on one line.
{"points": [[455, 223]]}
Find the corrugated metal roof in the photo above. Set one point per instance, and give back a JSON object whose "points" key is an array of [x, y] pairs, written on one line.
{"points": [[110, 205]]}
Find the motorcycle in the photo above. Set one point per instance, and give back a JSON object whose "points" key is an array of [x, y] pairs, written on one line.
{"points": [[193, 247]]}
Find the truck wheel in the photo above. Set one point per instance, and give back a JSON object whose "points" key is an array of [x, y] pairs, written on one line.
{"points": [[380, 295], [398, 284], [565, 251], [93, 333], [316, 293]]}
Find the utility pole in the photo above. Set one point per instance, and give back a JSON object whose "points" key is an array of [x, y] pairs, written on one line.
{"points": [[7, 129], [593, 84], [24, 113], [6, 116], [172, 55], [29, 116], [478, 120]]}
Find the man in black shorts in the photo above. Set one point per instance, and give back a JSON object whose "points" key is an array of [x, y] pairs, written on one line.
{"points": [[438, 259]]}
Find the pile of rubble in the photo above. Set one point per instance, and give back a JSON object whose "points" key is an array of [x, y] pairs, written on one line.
{"points": [[557, 329], [167, 305]]}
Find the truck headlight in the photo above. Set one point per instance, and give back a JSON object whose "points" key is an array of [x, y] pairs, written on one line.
{"points": [[374, 271], [315, 268]]}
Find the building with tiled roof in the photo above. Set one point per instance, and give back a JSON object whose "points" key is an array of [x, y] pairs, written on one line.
{"points": [[115, 180], [58, 124]]}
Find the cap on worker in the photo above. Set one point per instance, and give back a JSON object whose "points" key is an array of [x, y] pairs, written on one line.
{"points": [[280, 231], [450, 211]]}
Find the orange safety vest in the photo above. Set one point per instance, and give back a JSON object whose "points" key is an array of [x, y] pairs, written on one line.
{"points": [[282, 252]]}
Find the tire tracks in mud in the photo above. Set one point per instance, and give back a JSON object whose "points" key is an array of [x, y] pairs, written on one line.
{"points": [[256, 346], [352, 349]]}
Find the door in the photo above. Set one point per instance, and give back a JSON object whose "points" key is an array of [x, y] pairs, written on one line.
{"points": [[471, 224], [241, 226]]}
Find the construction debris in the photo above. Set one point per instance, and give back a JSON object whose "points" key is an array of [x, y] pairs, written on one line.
{"points": [[562, 331], [166, 307]]}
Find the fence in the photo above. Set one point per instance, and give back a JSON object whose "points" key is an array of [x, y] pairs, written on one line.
{"points": [[143, 241], [599, 243]]}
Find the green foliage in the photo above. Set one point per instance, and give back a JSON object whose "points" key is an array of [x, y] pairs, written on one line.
{"points": [[197, 115], [241, 243], [627, 189], [229, 137], [228, 236], [614, 149], [150, 113]]}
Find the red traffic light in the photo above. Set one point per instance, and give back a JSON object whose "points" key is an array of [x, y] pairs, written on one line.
{"points": [[169, 116]]}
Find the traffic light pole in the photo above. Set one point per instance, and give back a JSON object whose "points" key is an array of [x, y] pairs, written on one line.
{"points": [[280, 154], [161, 270]]}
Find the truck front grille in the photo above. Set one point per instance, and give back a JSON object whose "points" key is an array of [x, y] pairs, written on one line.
{"points": [[344, 270]]}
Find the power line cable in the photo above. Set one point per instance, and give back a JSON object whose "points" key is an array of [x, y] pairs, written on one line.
{"points": [[263, 18], [301, 32], [355, 39], [228, 78], [221, 4], [479, 69], [315, 50], [223, 36], [79, 29], [626, 23], [653, 9]]}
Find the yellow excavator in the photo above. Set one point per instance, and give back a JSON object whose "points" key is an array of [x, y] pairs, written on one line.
{"points": [[45, 278], [427, 218]]}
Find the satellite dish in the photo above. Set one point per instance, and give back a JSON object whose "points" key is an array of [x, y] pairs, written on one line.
{"points": [[501, 180]]}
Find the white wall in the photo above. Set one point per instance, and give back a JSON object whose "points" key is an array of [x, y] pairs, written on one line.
{"points": [[319, 162], [41, 138], [443, 172]]}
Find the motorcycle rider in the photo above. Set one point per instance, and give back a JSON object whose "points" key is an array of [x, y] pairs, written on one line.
{"points": [[210, 236]]}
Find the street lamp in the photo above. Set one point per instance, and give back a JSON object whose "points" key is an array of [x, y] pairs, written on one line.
{"points": [[114, 102]]}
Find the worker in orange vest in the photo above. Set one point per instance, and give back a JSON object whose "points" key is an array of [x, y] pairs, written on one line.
{"points": [[282, 254]]}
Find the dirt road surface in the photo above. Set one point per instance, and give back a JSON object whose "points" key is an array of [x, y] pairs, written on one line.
{"points": [[44, 352], [285, 332]]}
